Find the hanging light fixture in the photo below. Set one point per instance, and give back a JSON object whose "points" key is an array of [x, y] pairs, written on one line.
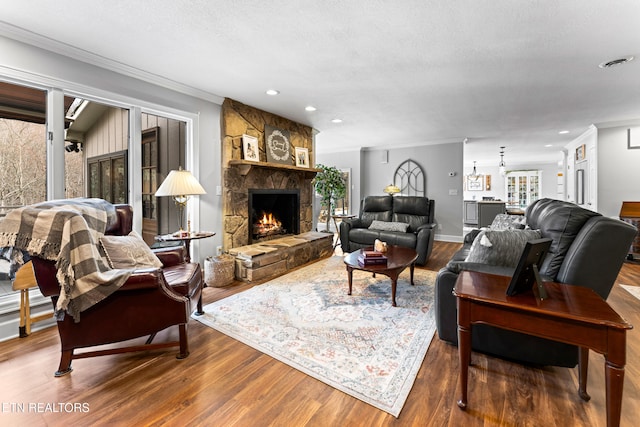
{"points": [[502, 165], [474, 173]]}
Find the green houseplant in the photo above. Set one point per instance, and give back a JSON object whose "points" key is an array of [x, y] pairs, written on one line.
{"points": [[330, 185]]}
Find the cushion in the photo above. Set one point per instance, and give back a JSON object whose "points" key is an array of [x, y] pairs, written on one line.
{"points": [[129, 252], [389, 226], [508, 222], [502, 247]]}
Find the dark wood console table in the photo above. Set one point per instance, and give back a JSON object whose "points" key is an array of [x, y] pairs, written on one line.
{"points": [[571, 314]]}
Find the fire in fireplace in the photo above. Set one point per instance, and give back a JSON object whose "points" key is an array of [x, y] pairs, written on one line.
{"points": [[274, 213]]}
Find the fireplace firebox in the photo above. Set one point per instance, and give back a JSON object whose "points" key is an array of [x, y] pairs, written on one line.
{"points": [[273, 214]]}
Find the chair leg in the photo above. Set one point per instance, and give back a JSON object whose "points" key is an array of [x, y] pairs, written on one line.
{"points": [[184, 342], [65, 364]]}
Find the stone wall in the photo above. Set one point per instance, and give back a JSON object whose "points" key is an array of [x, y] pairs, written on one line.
{"points": [[238, 119]]}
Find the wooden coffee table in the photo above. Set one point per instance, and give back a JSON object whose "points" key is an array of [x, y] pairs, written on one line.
{"points": [[398, 258]]}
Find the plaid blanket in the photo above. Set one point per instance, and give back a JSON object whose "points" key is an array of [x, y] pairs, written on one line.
{"points": [[68, 232]]}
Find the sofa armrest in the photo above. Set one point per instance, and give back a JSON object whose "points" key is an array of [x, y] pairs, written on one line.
{"points": [[428, 226], [170, 256]]}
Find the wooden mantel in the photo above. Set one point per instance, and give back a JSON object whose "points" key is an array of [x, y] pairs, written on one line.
{"points": [[244, 166]]}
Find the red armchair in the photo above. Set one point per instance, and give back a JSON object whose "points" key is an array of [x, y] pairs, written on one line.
{"points": [[151, 300]]}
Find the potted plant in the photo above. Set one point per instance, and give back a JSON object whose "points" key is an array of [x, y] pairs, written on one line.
{"points": [[330, 185]]}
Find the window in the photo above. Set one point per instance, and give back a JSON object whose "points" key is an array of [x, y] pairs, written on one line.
{"points": [[108, 177], [149, 173]]}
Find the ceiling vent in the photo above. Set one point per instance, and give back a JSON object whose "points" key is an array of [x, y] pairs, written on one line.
{"points": [[615, 62]]}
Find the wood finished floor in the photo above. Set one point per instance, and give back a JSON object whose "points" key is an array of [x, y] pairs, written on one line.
{"points": [[226, 383]]}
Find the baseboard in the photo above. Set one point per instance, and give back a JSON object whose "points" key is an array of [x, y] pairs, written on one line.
{"points": [[448, 238]]}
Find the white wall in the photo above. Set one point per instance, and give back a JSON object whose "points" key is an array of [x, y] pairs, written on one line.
{"points": [[618, 169]]}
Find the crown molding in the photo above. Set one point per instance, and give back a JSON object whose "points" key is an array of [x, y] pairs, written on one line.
{"points": [[63, 49]]}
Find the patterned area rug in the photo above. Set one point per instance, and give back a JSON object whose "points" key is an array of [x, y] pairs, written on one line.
{"points": [[358, 344], [633, 290]]}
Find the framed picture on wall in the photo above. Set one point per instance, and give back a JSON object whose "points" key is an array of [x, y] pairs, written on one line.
{"points": [[474, 183], [581, 153], [250, 148], [277, 145], [302, 157]]}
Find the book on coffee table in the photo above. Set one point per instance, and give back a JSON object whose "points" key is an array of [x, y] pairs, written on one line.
{"points": [[371, 258]]}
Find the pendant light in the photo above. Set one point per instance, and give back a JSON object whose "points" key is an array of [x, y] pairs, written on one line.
{"points": [[474, 174], [502, 165]]}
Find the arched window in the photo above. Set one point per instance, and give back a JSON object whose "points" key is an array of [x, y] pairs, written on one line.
{"points": [[410, 177]]}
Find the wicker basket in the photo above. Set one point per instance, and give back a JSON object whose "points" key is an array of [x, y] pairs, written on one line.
{"points": [[219, 270]]}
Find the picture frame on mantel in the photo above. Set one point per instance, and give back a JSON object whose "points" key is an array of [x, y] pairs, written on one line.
{"points": [[250, 150], [277, 145], [633, 137], [302, 157]]}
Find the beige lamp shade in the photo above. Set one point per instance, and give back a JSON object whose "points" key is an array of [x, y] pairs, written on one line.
{"points": [[180, 183], [391, 189]]}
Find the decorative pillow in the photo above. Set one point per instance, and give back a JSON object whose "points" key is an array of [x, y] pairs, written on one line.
{"points": [[508, 222], [389, 226], [129, 252], [502, 247]]}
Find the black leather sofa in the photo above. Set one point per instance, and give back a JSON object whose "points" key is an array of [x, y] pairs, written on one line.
{"points": [[588, 250], [417, 212]]}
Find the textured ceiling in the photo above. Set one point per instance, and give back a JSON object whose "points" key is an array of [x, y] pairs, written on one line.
{"points": [[398, 73]]}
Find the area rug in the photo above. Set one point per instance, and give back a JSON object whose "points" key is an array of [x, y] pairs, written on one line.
{"points": [[633, 290], [358, 344]]}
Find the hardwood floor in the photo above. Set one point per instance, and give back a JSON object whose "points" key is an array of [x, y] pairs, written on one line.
{"points": [[226, 383]]}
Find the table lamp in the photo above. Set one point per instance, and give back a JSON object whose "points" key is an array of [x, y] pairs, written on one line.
{"points": [[180, 184], [391, 189]]}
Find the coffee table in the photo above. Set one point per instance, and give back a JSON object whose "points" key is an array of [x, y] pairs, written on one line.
{"points": [[398, 258]]}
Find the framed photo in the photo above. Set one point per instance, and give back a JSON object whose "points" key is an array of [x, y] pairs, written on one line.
{"points": [[277, 145], [250, 148], [581, 153], [633, 137], [475, 183], [302, 157]]}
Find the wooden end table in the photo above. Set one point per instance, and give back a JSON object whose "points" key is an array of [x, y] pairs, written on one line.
{"points": [[398, 258], [570, 314]]}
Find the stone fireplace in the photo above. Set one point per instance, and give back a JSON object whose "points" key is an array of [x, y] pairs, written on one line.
{"points": [[240, 175], [267, 207]]}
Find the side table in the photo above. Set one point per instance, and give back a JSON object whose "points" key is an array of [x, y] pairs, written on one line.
{"points": [[186, 239], [570, 314], [335, 222]]}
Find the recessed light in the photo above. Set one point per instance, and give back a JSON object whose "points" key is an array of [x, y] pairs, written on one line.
{"points": [[272, 92], [548, 145], [336, 121], [563, 132], [613, 63], [310, 108]]}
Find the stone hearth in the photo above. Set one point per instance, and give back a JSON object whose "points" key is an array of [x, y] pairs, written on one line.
{"points": [[273, 258]]}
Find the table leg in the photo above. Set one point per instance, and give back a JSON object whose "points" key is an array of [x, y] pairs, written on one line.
{"points": [[583, 368], [394, 283], [411, 268], [350, 276], [464, 355], [614, 375]]}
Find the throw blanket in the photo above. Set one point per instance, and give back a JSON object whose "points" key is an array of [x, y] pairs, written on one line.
{"points": [[68, 232]]}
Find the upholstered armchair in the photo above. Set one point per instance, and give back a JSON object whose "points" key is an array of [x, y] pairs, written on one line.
{"points": [[150, 300]]}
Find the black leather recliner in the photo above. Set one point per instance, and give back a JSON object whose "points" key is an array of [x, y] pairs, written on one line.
{"points": [[417, 212], [588, 250]]}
